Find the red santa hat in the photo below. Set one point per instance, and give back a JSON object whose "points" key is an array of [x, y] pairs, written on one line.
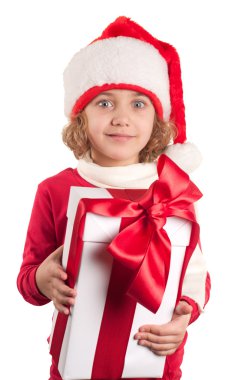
{"points": [[126, 56]]}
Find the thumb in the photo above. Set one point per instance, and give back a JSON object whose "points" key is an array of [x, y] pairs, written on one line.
{"points": [[57, 254], [56, 257], [183, 308]]}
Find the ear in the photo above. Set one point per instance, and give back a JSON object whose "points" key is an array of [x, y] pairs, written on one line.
{"points": [[186, 156]]}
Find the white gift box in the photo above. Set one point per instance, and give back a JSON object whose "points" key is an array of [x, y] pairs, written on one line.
{"points": [[83, 325]]}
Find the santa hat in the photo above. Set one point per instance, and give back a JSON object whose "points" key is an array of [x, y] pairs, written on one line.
{"points": [[126, 56]]}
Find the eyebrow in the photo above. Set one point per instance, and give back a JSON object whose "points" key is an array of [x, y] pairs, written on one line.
{"points": [[141, 94], [105, 93]]}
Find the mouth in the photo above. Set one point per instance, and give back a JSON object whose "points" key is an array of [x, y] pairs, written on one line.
{"points": [[120, 136]]}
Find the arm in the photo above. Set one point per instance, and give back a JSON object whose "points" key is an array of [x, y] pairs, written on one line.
{"points": [[41, 277], [40, 242], [196, 284], [165, 339]]}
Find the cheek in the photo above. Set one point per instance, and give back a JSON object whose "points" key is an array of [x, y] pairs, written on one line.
{"points": [[93, 130], [92, 137], [147, 132]]}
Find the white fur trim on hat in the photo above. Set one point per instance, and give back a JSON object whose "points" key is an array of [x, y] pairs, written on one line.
{"points": [[114, 61], [186, 156]]}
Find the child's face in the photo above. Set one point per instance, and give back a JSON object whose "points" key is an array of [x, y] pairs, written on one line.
{"points": [[120, 124]]}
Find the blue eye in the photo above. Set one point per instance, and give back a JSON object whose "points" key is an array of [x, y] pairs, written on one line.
{"points": [[105, 103], [139, 104]]}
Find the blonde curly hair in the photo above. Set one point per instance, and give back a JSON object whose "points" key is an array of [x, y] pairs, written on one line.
{"points": [[75, 137]]}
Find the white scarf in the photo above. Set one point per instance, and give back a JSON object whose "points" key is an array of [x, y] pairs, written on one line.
{"points": [[137, 176]]}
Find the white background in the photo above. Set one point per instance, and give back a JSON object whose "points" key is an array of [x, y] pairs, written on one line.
{"points": [[38, 38]]}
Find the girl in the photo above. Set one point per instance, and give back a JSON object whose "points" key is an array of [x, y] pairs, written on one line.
{"points": [[123, 96]]}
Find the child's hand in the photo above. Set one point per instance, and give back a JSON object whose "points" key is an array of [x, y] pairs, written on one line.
{"points": [[165, 339], [50, 279]]}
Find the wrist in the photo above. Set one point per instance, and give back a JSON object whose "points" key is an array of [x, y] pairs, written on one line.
{"points": [[39, 281]]}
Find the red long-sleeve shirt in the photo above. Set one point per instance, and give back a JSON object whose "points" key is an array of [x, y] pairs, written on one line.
{"points": [[46, 232]]}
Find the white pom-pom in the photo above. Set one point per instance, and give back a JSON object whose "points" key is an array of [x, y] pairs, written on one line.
{"points": [[186, 156]]}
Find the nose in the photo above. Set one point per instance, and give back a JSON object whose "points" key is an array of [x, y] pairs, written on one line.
{"points": [[119, 122], [120, 119]]}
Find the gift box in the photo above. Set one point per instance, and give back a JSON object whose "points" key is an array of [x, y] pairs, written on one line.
{"points": [[83, 326], [96, 339]]}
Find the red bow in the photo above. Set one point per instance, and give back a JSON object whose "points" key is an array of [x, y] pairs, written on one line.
{"points": [[143, 246]]}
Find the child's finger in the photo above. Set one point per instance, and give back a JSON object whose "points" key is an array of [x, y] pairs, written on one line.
{"points": [[160, 330], [63, 289], [60, 273], [159, 339], [67, 292], [152, 329], [55, 270], [62, 299], [61, 308], [158, 347], [165, 353], [65, 301], [52, 267]]}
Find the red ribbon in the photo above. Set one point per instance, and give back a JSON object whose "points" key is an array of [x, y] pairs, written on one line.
{"points": [[143, 246]]}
